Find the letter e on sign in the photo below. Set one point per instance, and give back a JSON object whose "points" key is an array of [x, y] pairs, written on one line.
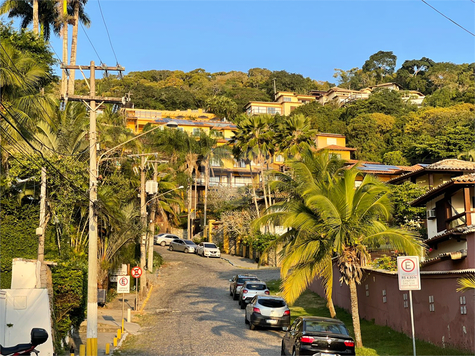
{"points": [[408, 273]]}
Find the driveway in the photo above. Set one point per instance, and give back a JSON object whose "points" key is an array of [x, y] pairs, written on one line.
{"points": [[190, 312]]}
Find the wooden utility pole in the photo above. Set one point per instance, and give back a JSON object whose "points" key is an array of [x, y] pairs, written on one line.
{"points": [[91, 344]]}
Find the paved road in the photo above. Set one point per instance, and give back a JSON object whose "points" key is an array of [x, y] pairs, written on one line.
{"points": [[192, 313]]}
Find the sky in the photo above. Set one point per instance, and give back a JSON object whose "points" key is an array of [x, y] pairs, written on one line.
{"points": [[311, 38]]}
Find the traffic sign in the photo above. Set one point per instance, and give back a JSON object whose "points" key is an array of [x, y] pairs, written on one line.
{"points": [[123, 284], [136, 272], [408, 273]]}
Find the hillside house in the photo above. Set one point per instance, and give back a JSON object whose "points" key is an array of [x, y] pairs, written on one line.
{"points": [[284, 104]]}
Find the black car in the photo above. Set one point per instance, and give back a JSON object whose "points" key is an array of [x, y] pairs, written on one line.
{"points": [[310, 335]]}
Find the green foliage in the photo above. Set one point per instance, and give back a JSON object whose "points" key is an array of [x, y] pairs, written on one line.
{"points": [[404, 214], [395, 158], [70, 292], [292, 82], [322, 118], [19, 240], [260, 242], [388, 263], [157, 260]]}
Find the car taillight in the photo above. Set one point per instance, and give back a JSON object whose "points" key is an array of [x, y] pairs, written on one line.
{"points": [[306, 339], [349, 343], [267, 292], [244, 291], [287, 312], [256, 310]]}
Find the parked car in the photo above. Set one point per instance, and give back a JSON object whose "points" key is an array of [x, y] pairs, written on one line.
{"points": [[251, 289], [208, 249], [310, 335], [183, 245], [267, 311], [237, 282], [164, 239]]}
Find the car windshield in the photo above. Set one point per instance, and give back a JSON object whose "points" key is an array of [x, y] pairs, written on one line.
{"points": [[210, 245], [326, 327], [243, 279], [256, 286], [272, 303], [188, 242]]}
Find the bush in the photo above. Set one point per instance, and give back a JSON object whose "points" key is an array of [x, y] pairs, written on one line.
{"points": [[157, 260]]}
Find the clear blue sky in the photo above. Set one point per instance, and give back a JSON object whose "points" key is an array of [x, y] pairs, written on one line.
{"points": [[311, 38]]}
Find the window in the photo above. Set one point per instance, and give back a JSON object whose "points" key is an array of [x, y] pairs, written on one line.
{"points": [[240, 164], [274, 111], [213, 181], [215, 162], [196, 131], [258, 110], [331, 141], [286, 98]]}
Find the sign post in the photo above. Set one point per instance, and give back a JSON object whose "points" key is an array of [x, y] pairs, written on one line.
{"points": [[409, 278], [123, 286], [136, 272]]}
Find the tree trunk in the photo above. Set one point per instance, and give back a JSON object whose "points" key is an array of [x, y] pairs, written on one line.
{"points": [[355, 313], [331, 307], [74, 46], [35, 17], [254, 192], [206, 192]]}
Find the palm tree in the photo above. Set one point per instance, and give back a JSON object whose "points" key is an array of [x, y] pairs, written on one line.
{"points": [[294, 136], [24, 9], [253, 143], [77, 9], [318, 168], [466, 284], [337, 220]]}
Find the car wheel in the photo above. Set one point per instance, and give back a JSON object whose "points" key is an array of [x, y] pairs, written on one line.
{"points": [[170, 248], [186, 250], [245, 319], [163, 243], [294, 353], [252, 326], [282, 349], [230, 292], [242, 303], [235, 297]]}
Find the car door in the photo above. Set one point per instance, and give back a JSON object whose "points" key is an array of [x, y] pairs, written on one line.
{"points": [[181, 245]]}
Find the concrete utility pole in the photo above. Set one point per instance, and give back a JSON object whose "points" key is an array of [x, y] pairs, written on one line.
{"points": [[152, 222], [91, 343], [143, 217], [41, 229]]}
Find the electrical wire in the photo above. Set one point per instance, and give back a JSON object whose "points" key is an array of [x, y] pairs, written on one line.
{"points": [[107, 30], [94, 48], [448, 18]]}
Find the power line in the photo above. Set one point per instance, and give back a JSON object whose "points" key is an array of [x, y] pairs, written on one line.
{"points": [[107, 30], [94, 48], [448, 18]]}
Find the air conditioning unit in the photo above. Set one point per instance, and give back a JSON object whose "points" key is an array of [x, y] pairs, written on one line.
{"points": [[431, 214]]}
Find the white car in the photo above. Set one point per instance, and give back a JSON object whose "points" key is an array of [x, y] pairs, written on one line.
{"points": [[164, 239], [208, 249]]}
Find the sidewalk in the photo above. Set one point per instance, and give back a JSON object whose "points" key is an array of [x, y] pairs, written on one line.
{"points": [[109, 317]]}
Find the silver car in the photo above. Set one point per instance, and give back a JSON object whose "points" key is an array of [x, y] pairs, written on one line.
{"points": [[164, 239], [186, 246], [267, 311], [208, 249], [251, 289]]}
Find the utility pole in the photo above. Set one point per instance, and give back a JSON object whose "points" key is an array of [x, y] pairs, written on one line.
{"points": [[91, 343], [64, 33], [143, 217], [152, 222], [41, 229]]}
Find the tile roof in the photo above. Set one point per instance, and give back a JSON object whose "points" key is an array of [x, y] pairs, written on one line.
{"points": [[461, 230], [452, 164]]}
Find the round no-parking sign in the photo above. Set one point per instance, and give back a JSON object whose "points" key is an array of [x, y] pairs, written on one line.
{"points": [[123, 284], [136, 272], [408, 273]]}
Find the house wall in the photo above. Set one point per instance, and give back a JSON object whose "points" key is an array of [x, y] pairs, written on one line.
{"points": [[432, 223], [447, 246], [445, 326], [323, 141]]}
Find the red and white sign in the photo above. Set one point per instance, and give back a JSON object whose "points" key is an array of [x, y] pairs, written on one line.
{"points": [[136, 272], [123, 284], [408, 273]]}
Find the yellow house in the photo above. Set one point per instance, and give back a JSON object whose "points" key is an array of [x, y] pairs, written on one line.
{"points": [[284, 104], [335, 143], [136, 119]]}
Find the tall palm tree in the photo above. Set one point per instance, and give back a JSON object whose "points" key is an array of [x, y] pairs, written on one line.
{"points": [[253, 143], [24, 9], [77, 9], [294, 136]]}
